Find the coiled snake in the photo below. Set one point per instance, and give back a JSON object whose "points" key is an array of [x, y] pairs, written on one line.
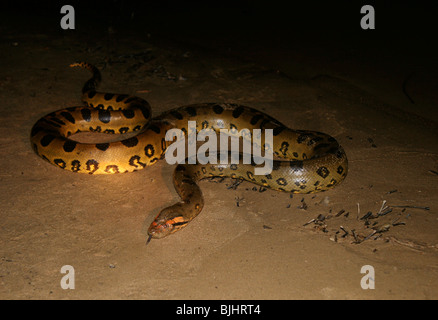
{"points": [[312, 161]]}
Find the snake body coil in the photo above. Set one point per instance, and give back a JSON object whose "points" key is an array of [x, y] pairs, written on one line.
{"points": [[313, 161]]}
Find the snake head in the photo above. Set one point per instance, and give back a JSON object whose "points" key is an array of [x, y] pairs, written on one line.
{"points": [[160, 228], [167, 222]]}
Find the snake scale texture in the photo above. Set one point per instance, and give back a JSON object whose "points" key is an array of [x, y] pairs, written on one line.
{"points": [[306, 161]]}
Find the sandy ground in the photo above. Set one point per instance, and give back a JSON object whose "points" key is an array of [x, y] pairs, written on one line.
{"points": [[246, 244]]}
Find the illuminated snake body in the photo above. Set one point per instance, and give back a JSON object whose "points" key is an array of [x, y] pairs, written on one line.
{"points": [[313, 161]]}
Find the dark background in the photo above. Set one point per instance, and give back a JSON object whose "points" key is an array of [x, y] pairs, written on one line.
{"points": [[300, 38], [315, 36], [410, 22]]}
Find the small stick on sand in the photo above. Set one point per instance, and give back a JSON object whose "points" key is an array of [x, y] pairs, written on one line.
{"points": [[358, 211], [412, 207]]}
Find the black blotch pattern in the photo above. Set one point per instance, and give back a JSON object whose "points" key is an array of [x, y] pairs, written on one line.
{"points": [[135, 162], [180, 168], [284, 148], [123, 130], [69, 145], [104, 116], [149, 150], [339, 154], [91, 94], [323, 172], [177, 114], [301, 184], [145, 110], [233, 166], [86, 114], [191, 111], [142, 105], [97, 129], [204, 124], [121, 97], [303, 137], [155, 128], [131, 142], [332, 183], [250, 175], [102, 146], [314, 140], [35, 130], [218, 109], [282, 181], [47, 139], [75, 165], [92, 166], [58, 121], [108, 96], [278, 130], [60, 163], [131, 99], [263, 123], [128, 113], [51, 123], [112, 168], [68, 116], [256, 119], [238, 112], [340, 170], [111, 131]]}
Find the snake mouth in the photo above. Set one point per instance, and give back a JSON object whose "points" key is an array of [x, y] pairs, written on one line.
{"points": [[161, 228]]}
